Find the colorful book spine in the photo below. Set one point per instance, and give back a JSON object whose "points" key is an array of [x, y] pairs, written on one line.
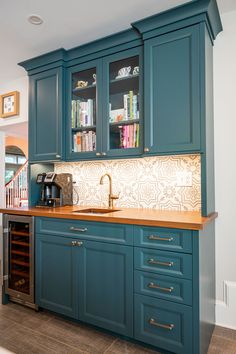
{"points": [[131, 105]]}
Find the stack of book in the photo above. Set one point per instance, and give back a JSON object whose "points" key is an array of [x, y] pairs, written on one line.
{"points": [[82, 113], [84, 141], [129, 136], [131, 110]]}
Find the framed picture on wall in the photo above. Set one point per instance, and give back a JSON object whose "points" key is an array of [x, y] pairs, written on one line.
{"points": [[9, 104]]}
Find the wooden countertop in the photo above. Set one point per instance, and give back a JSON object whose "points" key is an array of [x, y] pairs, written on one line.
{"points": [[149, 217]]}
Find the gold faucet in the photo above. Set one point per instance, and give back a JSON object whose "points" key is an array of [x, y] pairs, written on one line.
{"points": [[111, 197]]}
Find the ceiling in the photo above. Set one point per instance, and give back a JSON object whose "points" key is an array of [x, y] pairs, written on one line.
{"points": [[67, 24]]}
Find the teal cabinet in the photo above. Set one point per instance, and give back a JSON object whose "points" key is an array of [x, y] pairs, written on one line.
{"points": [[55, 274], [46, 118], [105, 286], [104, 107], [172, 92], [88, 280], [164, 324]]}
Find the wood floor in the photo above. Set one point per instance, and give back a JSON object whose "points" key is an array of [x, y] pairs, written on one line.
{"points": [[25, 331]]}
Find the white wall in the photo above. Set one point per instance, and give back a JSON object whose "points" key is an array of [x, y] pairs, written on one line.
{"points": [[20, 85], [225, 170]]}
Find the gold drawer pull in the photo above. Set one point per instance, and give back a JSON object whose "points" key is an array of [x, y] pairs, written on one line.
{"points": [[157, 238], [151, 285], [164, 264], [154, 323], [72, 228]]}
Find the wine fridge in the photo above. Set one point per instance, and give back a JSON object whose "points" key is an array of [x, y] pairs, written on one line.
{"points": [[18, 242]]}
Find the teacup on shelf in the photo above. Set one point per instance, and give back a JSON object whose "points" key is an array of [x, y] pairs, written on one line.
{"points": [[136, 70], [123, 72]]}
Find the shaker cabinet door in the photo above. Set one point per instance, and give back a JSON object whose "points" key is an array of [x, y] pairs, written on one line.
{"points": [[172, 97], [46, 116], [55, 287], [105, 286]]}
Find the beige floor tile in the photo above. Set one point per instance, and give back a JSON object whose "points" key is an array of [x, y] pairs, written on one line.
{"points": [[225, 332], [20, 339], [79, 336], [220, 345], [124, 347]]}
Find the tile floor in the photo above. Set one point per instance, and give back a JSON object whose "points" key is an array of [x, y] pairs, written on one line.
{"points": [[24, 331]]}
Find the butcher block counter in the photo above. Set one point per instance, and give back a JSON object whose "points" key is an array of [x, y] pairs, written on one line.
{"points": [[191, 220]]}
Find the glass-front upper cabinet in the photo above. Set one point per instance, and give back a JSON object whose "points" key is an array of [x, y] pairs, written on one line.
{"points": [[104, 107], [84, 117], [123, 118]]}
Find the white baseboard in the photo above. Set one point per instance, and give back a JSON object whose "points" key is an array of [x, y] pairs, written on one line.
{"points": [[226, 309]]}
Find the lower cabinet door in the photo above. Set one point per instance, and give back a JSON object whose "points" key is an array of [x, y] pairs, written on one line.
{"points": [[164, 324], [55, 288], [105, 286]]}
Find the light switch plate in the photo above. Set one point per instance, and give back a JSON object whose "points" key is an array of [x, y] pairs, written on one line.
{"points": [[184, 179]]}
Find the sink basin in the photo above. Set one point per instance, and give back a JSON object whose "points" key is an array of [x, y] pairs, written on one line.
{"points": [[95, 211]]}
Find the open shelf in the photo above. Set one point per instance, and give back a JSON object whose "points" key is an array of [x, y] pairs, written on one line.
{"points": [[81, 129], [85, 92], [124, 122], [124, 84]]}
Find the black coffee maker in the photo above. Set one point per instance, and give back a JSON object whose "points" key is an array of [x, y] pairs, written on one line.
{"points": [[56, 189]]}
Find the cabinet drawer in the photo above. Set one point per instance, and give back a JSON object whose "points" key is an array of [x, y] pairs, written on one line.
{"points": [[97, 231], [168, 263], [163, 324], [163, 287], [167, 239]]}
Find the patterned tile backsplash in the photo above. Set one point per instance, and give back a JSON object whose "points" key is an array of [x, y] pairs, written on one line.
{"points": [[149, 182]]}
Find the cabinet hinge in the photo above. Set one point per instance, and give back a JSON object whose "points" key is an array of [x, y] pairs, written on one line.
{"points": [[5, 277], [6, 230]]}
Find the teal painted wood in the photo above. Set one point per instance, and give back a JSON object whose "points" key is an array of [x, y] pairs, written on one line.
{"points": [[70, 154], [163, 262], [54, 58], [46, 120], [208, 8], [138, 51], [105, 286], [96, 231], [178, 339], [55, 273], [164, 239], [203, 288], [172, 101], [163, 287], [34, 188], [207, 125]]}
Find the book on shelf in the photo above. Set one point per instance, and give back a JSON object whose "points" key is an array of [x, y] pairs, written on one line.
{"points": [[84, 141], [129, 136], [82, 113]]}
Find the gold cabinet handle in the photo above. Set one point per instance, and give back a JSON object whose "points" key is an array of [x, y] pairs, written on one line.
{"points": [[104, 153], [72, 228], [73, 243], [58, 156], [165, 264], [79, 243], [161, 325], [146, 149], [158, 238], [98, 154], [152, 285]]}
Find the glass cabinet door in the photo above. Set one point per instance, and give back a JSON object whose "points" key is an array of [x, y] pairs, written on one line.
{"points": [[83, 115], [123, 113]]}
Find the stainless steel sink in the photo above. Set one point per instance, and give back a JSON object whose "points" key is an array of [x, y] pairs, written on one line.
{"points": [[95, 211]]}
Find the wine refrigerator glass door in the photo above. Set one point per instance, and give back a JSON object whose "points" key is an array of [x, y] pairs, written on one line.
{"points": [[19, 257]]}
